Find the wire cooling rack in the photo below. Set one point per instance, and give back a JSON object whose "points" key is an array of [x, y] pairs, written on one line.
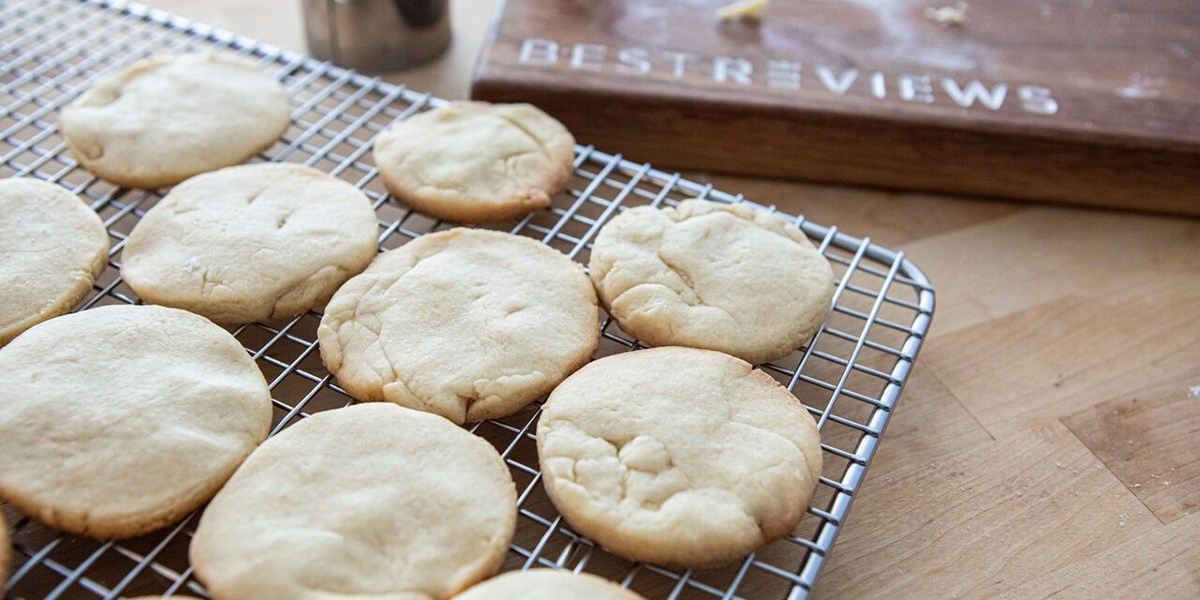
{"points": [[850, 377]]}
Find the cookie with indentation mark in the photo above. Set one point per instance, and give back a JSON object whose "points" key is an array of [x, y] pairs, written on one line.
{"points": [[251, 243], [547, 584], [714, 276], [369, 501], [52, 248], [678, 456], [473, 162], [167, 118], [120, 420], [468, 324]]}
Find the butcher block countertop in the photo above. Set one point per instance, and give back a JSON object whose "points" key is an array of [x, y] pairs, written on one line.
{"points": [[1048, 442]]}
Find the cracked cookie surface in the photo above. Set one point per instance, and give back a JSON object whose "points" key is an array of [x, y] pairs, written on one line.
{"points": [[715, 276], [120, 420], [166, 118], [370, 501], [466, 323], [547, 584], [52, 247], [473, 162], [251, 243], [678, 456]]}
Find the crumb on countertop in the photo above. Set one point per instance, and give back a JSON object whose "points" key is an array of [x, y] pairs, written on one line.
{"points": [[947, 16]]}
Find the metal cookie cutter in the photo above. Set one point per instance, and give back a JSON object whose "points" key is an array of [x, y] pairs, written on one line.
{"points": [[377, 35]]}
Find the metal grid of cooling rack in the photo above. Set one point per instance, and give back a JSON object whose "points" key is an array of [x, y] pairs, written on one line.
{"points": [[849, 377]]}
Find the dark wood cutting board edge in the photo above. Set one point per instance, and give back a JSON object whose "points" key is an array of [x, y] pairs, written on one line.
{"points": [[724, 132]]}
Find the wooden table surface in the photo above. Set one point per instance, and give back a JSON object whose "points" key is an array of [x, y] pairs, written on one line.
{"points": [[1048, 443]]}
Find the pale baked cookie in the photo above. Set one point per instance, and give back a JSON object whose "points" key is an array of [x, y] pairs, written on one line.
{"points": [[167, 118], [52, 247], [468, 324], [369, 501], [119, 420], [715, 276], [472, 161], [547, 584], [251, 243], [678, 456]]}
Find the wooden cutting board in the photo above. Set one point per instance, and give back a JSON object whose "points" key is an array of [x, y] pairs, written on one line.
{"points": [[1080, 101]]}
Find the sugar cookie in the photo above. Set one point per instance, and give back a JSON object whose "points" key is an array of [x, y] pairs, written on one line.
{"points": [[167, 118], [52, 248], [472, 161], [468, 324], [678, 456], [119, 420], [251, 243], [369, 501], [547, 584], [715, 276]]}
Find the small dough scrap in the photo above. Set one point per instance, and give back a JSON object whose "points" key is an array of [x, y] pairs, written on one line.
{"points": [[251, 243], [947, 16], [708, 275], [373, 501], [547, 584], [120, 420], [52, 248], [167, 118], [473, 162], [467, 323], [678, 456], [742, 9]]}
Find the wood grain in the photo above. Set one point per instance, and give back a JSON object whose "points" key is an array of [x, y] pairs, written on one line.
{"points": [[1061, 356], [1043, 254], [1098, 103], [973, 523], [1147, 439], [1161, 563]]}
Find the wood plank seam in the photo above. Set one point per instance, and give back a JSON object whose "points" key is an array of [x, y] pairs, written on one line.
{"points": [[933, 373]]}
